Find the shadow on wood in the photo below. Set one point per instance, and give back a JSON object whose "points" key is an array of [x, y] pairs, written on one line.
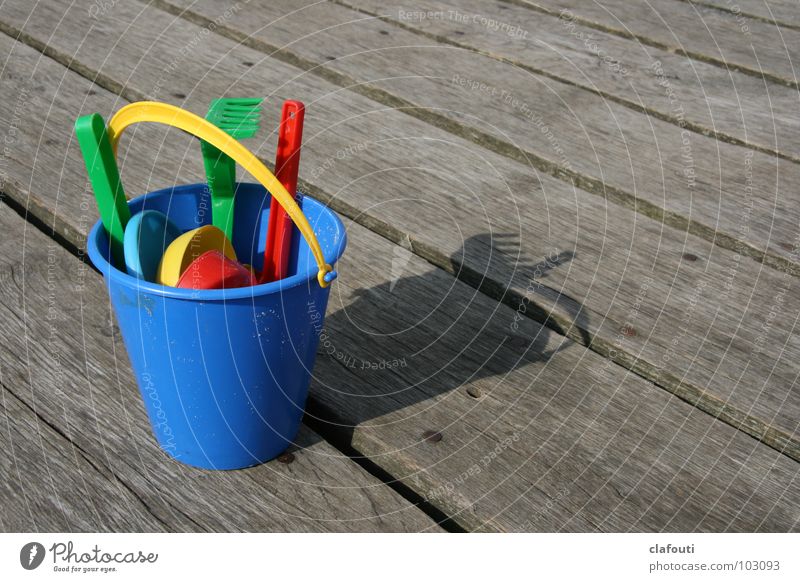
{"points": [[423, 334]]}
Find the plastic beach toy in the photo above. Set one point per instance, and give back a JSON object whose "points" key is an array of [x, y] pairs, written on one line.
{"points": [[187, 248], [213, 270], [101, 166], [224, 373], [239, 118], [287, 167], [152, 111], [146, 236]]}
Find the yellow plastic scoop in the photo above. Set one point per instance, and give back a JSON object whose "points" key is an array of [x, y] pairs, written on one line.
{"points": [[187, 247]]}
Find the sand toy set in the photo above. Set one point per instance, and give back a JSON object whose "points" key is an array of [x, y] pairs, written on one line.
{"points": [[219, 311]]}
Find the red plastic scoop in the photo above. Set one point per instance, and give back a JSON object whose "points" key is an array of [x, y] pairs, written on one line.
{"points": [[213, 270]]}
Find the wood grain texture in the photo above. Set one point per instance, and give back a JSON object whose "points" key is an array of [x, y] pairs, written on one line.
{"points": [[781, 12], [620, 270], [725, 104], [49, 484], [616, 251], [571, 441], [691, 181], [538, 433], [78, 447], [758, 48]]}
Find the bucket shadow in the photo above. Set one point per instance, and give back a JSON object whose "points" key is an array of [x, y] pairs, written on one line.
{"points": [[423, 334]]}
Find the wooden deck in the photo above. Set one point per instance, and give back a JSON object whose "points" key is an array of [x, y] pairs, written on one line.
{"points": [[573, 242]]}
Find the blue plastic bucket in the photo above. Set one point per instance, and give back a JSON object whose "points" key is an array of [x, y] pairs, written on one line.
{"points": [[224, 373]]}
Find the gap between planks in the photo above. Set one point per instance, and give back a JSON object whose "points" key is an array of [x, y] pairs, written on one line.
{"points": [[638, 107], [703, 58], [400, 515], [108, 476], [694, 395], [700, 418], [730, 10], [516, 153]]}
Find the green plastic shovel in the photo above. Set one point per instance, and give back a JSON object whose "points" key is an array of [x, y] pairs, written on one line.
{"points": [[104, 176]]}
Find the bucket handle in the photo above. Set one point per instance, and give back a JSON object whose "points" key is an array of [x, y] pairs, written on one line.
{"points": [[152, 111]]}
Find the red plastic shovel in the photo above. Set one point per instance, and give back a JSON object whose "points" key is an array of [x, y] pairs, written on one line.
{"points": [[287, 166], [213, 270]]}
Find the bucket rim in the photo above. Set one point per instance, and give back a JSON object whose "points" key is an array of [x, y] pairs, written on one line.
{"points": [[111, 273]]}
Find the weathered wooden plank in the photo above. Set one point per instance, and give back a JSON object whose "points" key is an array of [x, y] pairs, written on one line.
{"points": [[548, 431], [63, 359], [537, 432], [781, 12], [617, 252], [691, 181], [572, 442], [51, 485], [755, 47], [726, 104], [625, 270]]}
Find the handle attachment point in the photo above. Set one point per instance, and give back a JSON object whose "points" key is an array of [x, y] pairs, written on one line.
{"points": [[327, 276]]}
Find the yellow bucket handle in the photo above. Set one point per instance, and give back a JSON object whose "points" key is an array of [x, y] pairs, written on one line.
{"points": [[151, 111]]}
